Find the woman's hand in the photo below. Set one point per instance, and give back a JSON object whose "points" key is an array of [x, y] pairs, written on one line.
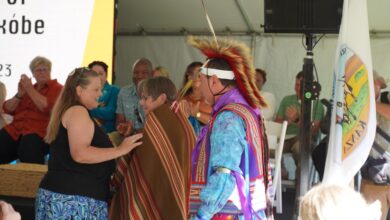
{"points": [[26, 82], [21, 91], [7, 212], [125, 128], [129, 143], [190, 108]]}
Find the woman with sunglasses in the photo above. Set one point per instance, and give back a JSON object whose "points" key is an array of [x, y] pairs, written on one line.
{"points": [[76, 185]]}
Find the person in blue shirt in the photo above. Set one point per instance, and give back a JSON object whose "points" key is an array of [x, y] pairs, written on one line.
{"points": [[129, 113], [230, 176], [105, 112]]}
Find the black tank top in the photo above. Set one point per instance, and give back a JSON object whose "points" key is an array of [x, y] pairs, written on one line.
{"points": [[67, 176]]}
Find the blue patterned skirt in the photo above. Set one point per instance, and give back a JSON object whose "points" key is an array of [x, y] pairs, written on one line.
{"points": [[51, 205]]}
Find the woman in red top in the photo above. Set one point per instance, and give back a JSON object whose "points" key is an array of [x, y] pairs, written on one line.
{"points": [[196, 107], [30, 107]]}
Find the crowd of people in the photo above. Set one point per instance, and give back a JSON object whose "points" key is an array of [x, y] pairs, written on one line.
{"points": [[197, 152]]}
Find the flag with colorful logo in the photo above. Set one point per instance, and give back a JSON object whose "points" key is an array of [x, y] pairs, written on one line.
{"points": [[353, 120]]}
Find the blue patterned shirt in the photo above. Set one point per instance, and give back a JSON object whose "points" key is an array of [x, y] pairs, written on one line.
{"points": [[227, 144], [128, 105]]}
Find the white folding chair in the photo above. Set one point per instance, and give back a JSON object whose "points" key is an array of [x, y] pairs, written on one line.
{"points": [[276, 133]]}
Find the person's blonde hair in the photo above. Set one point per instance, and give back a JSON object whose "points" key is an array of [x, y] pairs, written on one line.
{"points": [[40, 61], [336, 203], [162, 70], [68, 98], [3, 93]]}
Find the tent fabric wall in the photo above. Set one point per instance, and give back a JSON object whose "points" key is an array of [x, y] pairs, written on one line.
{"points": [[281, 56]]}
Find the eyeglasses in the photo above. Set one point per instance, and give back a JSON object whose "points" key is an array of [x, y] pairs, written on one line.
{"points": [[41, 70]]}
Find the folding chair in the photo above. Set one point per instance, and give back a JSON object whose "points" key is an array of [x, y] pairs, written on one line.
{"points": [[276, 133]]}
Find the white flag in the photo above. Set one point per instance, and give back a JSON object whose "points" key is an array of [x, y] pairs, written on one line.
{"points": [[353, 120]]}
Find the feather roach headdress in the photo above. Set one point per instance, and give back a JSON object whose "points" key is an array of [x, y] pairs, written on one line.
{"points": [[237, 55]]}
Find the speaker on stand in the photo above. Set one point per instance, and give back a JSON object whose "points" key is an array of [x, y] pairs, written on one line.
{"points": [[308, 17]]}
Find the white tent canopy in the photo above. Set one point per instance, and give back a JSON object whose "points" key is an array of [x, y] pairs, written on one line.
{"points": [[172, 17], [157, 30]]}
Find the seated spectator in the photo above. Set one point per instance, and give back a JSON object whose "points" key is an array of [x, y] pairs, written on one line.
{"points": [[289, 110], [336, 203], [161, 71], [376, 171], [31, 108], [197, 108], [154, 179], [268, 112], [4, 118], [129, 113], [105, 112]]}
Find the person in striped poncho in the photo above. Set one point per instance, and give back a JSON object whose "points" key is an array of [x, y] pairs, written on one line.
{"points": [[153, 181]]}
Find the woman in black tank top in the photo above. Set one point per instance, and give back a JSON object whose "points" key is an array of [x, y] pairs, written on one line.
{"points": [[82, 158]]}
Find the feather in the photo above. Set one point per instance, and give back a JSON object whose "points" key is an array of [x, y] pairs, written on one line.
{"points": [[238, 56]]}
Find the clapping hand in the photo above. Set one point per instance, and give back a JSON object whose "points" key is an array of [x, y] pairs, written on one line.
{"points": [[25, 82], [292, 114]]}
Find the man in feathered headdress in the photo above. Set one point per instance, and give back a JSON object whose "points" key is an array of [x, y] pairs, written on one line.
{"points": [[230, 163]]}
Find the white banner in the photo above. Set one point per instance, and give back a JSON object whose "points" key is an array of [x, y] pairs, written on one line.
{"points": [[67, 32], [353, 119]]}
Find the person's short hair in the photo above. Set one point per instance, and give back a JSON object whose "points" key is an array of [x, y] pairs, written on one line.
{"points": [[334, 202], [146, 62], [156, 86], [299, 75], [221, 64], [40, 61], [99, 63], [263, 74]]}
